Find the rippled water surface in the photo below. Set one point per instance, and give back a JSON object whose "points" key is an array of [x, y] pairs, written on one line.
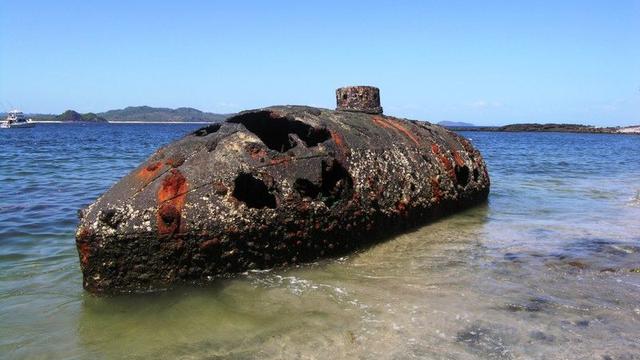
{"points": [[548, 268]]}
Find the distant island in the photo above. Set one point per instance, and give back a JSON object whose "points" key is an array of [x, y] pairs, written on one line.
{"points": [[455, 124], [134, 114], [73, 116], [572, 128], [152, 114]]}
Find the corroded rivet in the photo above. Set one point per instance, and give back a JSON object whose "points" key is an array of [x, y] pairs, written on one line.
{"points": [[169, 214]]}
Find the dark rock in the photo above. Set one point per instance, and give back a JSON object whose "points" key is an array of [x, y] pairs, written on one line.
{"points": [[272, 187]]}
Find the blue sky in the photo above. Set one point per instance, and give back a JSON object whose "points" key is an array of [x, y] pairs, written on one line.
{"points": [[485, 62]]}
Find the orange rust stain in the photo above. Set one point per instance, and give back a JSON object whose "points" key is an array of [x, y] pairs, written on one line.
{"points": [[395, 125], [174, 187], [444, 160], [280, 160], [171, 196], [458, 158], [257, 153], [149, 172], [338, 139], [83, 249], [83, 246], [447, 164], [404, 131], [378, 120], [435, 189]]}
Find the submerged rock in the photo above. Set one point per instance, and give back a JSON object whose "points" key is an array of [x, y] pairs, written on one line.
{"points": [[272, 187]]}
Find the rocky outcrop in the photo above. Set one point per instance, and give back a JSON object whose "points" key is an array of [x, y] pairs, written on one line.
{"points": [[272, 187]]}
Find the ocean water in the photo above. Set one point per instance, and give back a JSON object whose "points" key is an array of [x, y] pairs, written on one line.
{"points": [[549, 268]]}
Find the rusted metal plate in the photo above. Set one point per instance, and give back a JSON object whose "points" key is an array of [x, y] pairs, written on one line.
{"points": [[272, 187]]}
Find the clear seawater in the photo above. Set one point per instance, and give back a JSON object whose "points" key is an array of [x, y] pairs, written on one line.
{"points": [[549, 268]]}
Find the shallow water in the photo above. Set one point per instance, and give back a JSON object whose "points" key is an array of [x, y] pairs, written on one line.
{"points": [[548, 268]]}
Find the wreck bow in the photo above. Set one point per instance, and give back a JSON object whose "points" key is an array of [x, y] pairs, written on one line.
{"points": [[271, 187]]}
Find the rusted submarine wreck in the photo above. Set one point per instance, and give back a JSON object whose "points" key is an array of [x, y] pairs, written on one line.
{"points": [[272, 187]]}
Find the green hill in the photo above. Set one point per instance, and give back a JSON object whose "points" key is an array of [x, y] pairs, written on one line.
{"points": [[148, 113], [73, 116]]}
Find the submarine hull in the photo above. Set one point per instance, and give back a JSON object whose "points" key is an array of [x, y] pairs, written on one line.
{"points": [[273, 187]]}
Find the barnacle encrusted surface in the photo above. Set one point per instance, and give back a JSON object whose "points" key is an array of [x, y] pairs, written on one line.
{"points": [[272, 187]]}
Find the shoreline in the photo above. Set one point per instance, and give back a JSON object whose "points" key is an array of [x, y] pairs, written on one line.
{"points": [[556, 128]]}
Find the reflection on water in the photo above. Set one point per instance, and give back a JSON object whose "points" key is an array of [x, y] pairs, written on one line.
{"points": [[549, 268]]}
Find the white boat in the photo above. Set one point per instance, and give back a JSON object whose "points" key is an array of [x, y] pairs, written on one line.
{"points": [[16, 119]]}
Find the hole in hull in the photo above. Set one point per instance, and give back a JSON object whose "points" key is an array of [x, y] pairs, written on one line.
{"points": [[306, 188], [462, 174], [335, 184], [274, 131], [253, 192]]}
